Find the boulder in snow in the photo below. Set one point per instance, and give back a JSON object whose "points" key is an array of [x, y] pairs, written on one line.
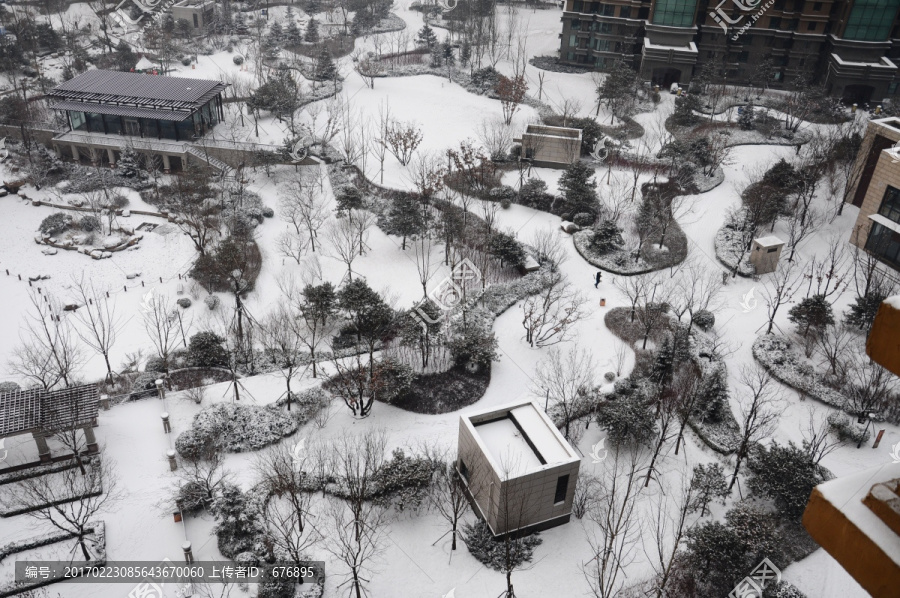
{"points": [[49, 251], [569, 227]]}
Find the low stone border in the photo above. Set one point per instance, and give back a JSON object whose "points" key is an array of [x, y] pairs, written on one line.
{"points": [[39, 470], [97, 530], [551, 63], [98, 490], [705, 184]]}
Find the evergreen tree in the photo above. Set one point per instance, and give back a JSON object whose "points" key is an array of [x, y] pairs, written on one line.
{"points": [[276, 33], [292, 36], [745, 120], [125, 57], [465, 53], [348, 197], [685, 106], [784, 474], [507, 249], [664, 364], [405, 216], [437, 57], [127, 164], [813, 313], [708, 483], [325, 69], [862, 312], [426, 37], [311, 35], [712, 396], [447, 52], [607, 236], [627, 415], [579, 189]]}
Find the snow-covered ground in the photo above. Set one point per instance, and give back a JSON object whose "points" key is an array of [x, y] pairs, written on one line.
{"points": [[415, 562]]}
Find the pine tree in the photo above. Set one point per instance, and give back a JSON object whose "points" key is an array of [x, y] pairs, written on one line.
{"points": [[405, 216], [276, 33], [745, 120], [712, 396], [607, 236], [708, 483], [579, 189], [311, 35], [292, 34], [813, 313], [127, 164], [862, 311], [325, 69], [664, 364], [465, 53], [447, 51], [426, 37]]}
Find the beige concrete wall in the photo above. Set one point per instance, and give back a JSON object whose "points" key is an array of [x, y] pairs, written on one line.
{"points": [[483, 482], [551, 149], [886, 173]]}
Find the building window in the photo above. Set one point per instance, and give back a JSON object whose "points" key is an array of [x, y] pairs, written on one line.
{"points": [[817, 6], [775, 23], [675, 13], [811, 26], [463, 470], [884, 243], [609, 10], [78, 121], [871, 20], [625, 12], [792, 24], [572, 41], [890, 205], [779, 5], [562, 488], [578, 6], [710, 55], [196, 22], [570, 56], [595, 7], [769, 42], [576, 24], [744, 56], [892, 88], [604, 27]]}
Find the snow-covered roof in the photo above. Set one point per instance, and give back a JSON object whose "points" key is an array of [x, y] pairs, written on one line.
{"points": [[893, 301], [769, 241], [846, 494], [885, 222], [143, 64], [520, 439]]}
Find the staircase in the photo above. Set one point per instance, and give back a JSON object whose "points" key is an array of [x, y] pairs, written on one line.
{"points": [[203, 158]]}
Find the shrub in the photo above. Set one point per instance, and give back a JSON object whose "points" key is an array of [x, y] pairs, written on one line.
{"points": [[627, 416], [502, 192], [607, 236], [704, 320], [534, 195], [505, 203], [583, 219], [55, 224], [784, 474], [238, 59], [268, 212], [184, 302], [842, 426], [144, 385], [473, 344], [212, 301], [192, 498], [186, 61], [235, 428], [89, 224], [492, 553], [238, 517], [404, 480]]}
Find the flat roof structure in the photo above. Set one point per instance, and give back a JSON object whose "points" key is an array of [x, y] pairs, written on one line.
{"points": [[26, 411], [135, 94]]}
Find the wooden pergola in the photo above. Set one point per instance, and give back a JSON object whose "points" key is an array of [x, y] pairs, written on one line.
{"points": [[43, 413]]}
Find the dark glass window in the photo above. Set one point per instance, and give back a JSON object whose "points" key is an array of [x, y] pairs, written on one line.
{"points": [[871, 20], [792, 24], [78, 121], [604, 27], [817, 6], [95, 123], [578, 6], [884, 243], [167, 129], [675, 13], [779, 5], [744, 57], [890, 205], [113, 124], [811, 26], [562, 488], [609, 10], [463, 470], [775, 23], [576, 24], [625, 12]]}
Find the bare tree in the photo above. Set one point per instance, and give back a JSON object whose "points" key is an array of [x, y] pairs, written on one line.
{"points": [[496, 136], [355, 539], [870, 388], [448, 498], [569, 379], [818, 441], [616, 535], [161, 324], [635, 288], [343, 237], [69, 500], [302, 205], [779, 289], [548, 316], [669, 525], [548, 248], [834, 344], [287, 504], [697, 288], [402, 139], [800, 225], [99, 322], [49, 353], [759, 411], [283, 344]]}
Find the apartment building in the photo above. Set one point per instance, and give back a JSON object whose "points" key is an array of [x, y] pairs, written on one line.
{"points": [[850, 45]]}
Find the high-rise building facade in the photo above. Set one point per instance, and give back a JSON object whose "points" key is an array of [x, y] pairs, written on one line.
{"points": [[852, 46]]}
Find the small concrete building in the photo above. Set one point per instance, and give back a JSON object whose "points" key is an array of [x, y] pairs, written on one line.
{"points": [[765, 253], [518, 471], [198, 14], [550, 147]]}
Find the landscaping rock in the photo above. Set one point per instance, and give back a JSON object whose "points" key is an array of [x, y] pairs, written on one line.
{"points": [[569, 227], [49, 251]]}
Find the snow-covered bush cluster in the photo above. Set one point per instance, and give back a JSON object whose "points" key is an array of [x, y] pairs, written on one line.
{"points": [[842, 426], [237, 428], [731, 248], [786, 365], [493, 553]]}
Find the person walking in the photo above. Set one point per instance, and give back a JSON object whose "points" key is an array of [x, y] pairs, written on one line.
{"points": [[598, 279]]}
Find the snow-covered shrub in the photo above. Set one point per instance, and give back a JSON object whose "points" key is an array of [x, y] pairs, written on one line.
{"points": [[238, 516], [186, 61], [502, 192], [627, 414], [268, 212], [583, 219], [212, 301], [784, 474], [55, 223], [238, 59], [775, 353], [842, 426], [609, 376], [404, 480], [782, 589], [144, 385], [236, 428], [184, 302], [89, 224], [712, 396], [206, 349], [704, 319], [192, 498], [492, 553], [607, 236]]}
